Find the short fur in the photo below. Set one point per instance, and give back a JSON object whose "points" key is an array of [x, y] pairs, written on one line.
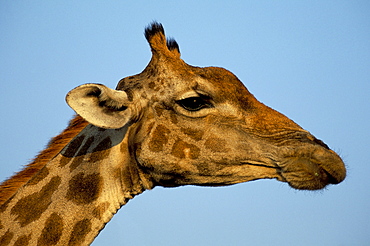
{"points": [[171, 125], [56, 144]]}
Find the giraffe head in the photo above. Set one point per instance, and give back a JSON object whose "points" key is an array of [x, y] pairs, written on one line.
{"points": [[201, 126]]}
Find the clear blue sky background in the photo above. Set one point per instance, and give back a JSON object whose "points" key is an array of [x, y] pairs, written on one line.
{"points": [[308, 59]]}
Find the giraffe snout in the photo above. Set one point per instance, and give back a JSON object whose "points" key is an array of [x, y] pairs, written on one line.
{"points": [[313, 169]]}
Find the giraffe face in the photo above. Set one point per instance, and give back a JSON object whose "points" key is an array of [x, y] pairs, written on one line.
{"points": [[201, 126], [196, 133]]}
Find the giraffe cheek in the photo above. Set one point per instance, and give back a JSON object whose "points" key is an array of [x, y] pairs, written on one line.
{"points": [[184, 150], [216, 145], [187, 153], [159, 138]]}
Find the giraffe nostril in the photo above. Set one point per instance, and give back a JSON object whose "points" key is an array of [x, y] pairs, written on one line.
{"points": [[317, 141], [321, 143]]}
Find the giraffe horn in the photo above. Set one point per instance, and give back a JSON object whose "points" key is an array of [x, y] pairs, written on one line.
{"points": [[155, 35]]}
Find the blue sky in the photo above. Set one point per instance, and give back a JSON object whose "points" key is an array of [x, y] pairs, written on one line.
{"points": [[308, 59]]}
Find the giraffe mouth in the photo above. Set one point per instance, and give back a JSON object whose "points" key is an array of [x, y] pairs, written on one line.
{"points": [[305, 172], [257, 164], [312, 168]]}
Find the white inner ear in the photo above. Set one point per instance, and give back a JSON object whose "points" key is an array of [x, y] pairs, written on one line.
{"points": [[100, 105]]}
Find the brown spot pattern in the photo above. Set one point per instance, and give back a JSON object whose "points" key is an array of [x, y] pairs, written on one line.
{"points": [[83, 150], [101, 151], [80, 155], [79, 232], [150, 127], [55, 146], [159, 110], [73, 147], [84, 189], [64, 161], [173, 118], [216, 145], [160, 82], [137, 148], [31, 207], [105, 144], [100, 209], [151, 85], [182, 149], [159, 138], [97, 156], [52, 231], [23, 240], [71, 151], [39, 176], [4, 206], [6, 238], [193, 133], [124, 147]]}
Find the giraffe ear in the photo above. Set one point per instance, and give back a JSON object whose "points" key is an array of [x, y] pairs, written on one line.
{"points": [[100, 105]]}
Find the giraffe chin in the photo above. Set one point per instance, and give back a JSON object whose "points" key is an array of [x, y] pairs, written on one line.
{"points": [[307, 174]]}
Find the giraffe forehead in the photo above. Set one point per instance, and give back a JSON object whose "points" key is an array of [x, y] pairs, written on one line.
{"points": [[157, 83], [217, 83]]}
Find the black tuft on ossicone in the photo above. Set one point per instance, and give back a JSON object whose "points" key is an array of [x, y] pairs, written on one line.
{"points": [[173, 45], [153, 29]]}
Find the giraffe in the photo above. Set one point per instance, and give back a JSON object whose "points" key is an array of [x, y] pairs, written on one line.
{"points": [[173, 124]]}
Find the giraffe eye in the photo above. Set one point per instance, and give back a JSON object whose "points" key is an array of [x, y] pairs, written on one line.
{"points": [[193, 103]]}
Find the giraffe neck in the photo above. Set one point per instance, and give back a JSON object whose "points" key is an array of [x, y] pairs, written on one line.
{"points": [[10, 186], [75, 194]]}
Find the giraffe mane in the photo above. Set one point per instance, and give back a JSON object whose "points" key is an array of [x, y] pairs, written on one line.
{"points": [[56, 144]]}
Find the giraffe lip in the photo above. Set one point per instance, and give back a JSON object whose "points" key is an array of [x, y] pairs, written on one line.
{"points": [[331, 178], [308, 174], [260, 164]]}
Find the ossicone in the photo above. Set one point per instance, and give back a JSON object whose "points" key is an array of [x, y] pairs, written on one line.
{"points": [[155, 35]]}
